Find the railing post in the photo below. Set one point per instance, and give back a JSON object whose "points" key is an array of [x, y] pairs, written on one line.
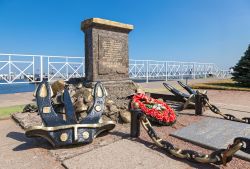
{"points": [[194, 71], [9, 79], [33, 68], [147, 66], [48, 69], [67, 69], [182, 71], [166, 70], [135, 69], [41, 68]]}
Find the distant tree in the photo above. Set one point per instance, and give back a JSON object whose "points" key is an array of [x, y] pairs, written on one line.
{"points": [[241, 72]]}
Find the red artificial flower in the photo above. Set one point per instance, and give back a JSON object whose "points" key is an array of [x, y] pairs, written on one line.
{"points": [[167, 116]]}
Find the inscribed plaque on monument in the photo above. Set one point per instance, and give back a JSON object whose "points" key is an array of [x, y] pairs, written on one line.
{"points": [[111, 56]]}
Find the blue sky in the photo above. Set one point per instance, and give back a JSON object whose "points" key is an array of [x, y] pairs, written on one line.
{"points": [[184, 30]]}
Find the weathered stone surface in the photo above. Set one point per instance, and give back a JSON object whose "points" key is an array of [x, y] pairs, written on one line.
{"points": [[27, 119], [215, 133], [139, 90], [79, 85], [82, 108], [119, 92], [113, 108], [109, 102], [126, 116], [87, 96], [98, 21], [57, 99], [117, 100], [58, 86], [30, 108], [106, 50], [123, 154]]}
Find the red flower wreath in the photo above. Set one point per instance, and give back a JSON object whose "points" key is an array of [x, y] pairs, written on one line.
{"points": [[155, 110]]}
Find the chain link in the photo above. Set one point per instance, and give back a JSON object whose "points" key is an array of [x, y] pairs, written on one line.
{"points": [[216, 110], [218, 157]]}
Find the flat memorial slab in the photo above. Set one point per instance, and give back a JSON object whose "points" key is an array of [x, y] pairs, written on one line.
{"points": [[215, 133]]}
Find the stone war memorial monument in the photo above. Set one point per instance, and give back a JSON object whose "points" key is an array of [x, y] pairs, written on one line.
{"points": [[106, 57], [106, 50], [78, 110], [106, 61]]}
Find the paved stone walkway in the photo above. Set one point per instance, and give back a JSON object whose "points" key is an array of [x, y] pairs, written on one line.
{"points": [[16, 99], [17, 151], [123, 154], [20, 152]]}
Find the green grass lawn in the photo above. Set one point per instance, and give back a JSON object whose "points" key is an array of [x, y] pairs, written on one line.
{"points": [[6, 111], [226, 84]]}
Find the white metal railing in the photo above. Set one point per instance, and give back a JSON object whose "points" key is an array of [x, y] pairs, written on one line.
{"points": [[65, 67], [168, 70], [20, 68]]}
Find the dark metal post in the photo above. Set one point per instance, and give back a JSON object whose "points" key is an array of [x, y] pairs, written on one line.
{"points": [[135, 123], [198, 104]]}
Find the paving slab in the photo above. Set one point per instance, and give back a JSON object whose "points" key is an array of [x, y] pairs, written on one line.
{"points": [[215, 133], [16, 99], [118, 133], [18, 151], [123, 154], [26, 120]]}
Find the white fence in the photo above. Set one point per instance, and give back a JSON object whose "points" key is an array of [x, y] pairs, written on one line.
{"points": [[20, 68], [169, 70]]}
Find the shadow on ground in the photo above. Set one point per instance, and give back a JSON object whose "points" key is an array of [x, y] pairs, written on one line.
{"points": [[152, 146], [29, 143]]}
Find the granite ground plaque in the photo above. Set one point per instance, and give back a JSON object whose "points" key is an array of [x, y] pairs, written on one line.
{"points": [[215, 133]]}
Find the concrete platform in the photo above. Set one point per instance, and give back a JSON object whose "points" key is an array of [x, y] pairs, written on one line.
{"points": [[17, 151], [123, 154], [16, 99]]}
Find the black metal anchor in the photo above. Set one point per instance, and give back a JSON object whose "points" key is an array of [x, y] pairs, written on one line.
{"points": [[194, 99], [60, 132], [188, 99], [200, 101]]}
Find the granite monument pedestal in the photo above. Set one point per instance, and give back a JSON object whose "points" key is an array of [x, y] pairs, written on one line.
{"points": [[106, 50], [106, 57]]}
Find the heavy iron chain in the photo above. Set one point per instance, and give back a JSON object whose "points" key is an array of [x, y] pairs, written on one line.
{"points": [[216, 110], [218, 157]]}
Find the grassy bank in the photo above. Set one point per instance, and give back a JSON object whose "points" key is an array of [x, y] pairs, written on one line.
{"points": [[6, 111], [226, 84]]}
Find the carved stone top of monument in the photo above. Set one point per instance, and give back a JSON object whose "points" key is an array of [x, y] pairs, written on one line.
{"points": [[106, 50], [103, 22]]}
